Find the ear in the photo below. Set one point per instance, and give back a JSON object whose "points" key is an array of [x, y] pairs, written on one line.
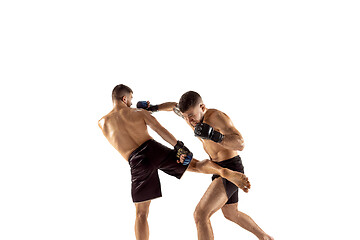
{"points": [[202, 106], [124, 99]]}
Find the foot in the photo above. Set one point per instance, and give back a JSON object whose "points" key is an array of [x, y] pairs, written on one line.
{"points": [[239, 179], [266, 237]]}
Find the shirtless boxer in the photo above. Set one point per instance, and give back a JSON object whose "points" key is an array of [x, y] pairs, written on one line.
{"points": [[126, 130], [221, 141]]}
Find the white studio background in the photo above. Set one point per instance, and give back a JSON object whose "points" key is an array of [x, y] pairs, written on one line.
{"points": [[284, 71]]}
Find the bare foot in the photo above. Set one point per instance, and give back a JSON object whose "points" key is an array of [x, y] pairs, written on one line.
{"points": [[239, 179], [266, 237]]}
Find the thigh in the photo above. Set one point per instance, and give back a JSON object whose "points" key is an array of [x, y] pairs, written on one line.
{"points": [[170, 166], [214, 198]]}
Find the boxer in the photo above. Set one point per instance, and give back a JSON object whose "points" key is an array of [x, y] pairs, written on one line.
{"points": [[126, 130], [221, 141]]}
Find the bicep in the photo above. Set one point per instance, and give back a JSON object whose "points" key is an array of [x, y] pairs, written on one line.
{"points": [[225, 125]]}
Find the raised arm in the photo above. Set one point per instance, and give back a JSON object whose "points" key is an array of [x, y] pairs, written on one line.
{"points": [[232, 137], [219, 128], [167, 106]]}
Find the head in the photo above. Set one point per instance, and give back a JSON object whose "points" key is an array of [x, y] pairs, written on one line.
{"points": [[192, 107], [122, 93]]}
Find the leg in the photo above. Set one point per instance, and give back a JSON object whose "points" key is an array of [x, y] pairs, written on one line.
{"points": [[209, 167], [214, 198], [232, 213], [141, 224]]}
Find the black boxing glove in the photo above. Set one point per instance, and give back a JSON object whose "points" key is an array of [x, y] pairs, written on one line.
{"points": [[205, 131], [144, 105], [180, 150]]}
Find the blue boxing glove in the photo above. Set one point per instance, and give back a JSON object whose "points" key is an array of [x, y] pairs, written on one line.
{"points": [[181, 150], [144, 105]]}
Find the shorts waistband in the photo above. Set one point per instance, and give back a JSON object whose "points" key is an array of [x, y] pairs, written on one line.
{"points": [[236, 158], [139, 148]]}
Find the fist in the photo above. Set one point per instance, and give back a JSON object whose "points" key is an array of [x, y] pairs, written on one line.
{"points": [[183, 154], [205, 131], [146, 105]]}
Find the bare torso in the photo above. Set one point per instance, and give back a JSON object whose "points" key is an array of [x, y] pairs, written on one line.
{"points": [[125, 129], [216, 152]]}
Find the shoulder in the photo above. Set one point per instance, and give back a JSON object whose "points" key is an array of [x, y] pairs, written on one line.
{"points": [[139, 115], [103, 121], [219, 121], [215, 116], [138, 112]]}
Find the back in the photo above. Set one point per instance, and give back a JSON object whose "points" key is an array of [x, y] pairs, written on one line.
{"points": [[125, 129]]}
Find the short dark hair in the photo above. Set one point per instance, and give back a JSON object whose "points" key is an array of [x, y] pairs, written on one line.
{"points": [[189, 100], [120, 91]]}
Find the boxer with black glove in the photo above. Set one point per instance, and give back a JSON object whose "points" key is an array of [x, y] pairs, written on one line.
{"points": [[205, 131], [223, 149]]}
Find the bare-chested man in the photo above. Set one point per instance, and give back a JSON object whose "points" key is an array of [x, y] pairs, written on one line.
{"points": [[126, 130], [221, 141]]}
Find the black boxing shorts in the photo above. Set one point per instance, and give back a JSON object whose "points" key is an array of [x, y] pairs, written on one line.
{"points": [[144, 164], [231, 189]]}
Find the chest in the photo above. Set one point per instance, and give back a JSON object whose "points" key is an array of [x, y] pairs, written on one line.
{"points": [[211, 147]]}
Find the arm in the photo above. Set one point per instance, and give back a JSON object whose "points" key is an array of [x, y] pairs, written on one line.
{"points": [[156, 126], [183, 153], [101, 124], [167, 106], [219, 128], [232, 137]]}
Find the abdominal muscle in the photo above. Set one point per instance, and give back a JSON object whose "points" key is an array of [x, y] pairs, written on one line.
{"points": [[216, 152]]}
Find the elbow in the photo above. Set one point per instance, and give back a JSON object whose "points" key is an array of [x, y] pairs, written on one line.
{"points": [[238, 143], [101, 123]]}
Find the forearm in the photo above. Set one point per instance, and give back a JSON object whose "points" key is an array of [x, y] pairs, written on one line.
{"points": [[233, 142], [166, 135], [167, 106]]}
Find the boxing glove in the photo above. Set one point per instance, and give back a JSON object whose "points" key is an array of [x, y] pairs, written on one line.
{"points": [[144, 105], [205, 131], [180, 150]]}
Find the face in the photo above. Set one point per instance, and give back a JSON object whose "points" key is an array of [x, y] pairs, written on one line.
{"points": [[195, 114]]}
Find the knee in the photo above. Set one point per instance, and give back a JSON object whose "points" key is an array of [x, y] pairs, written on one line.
{"points": [[200, 215], [141, 215], [228, 215]]}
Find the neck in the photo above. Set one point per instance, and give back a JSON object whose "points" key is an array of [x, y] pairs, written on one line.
{"points": [[119, 105], [202, 119]]}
